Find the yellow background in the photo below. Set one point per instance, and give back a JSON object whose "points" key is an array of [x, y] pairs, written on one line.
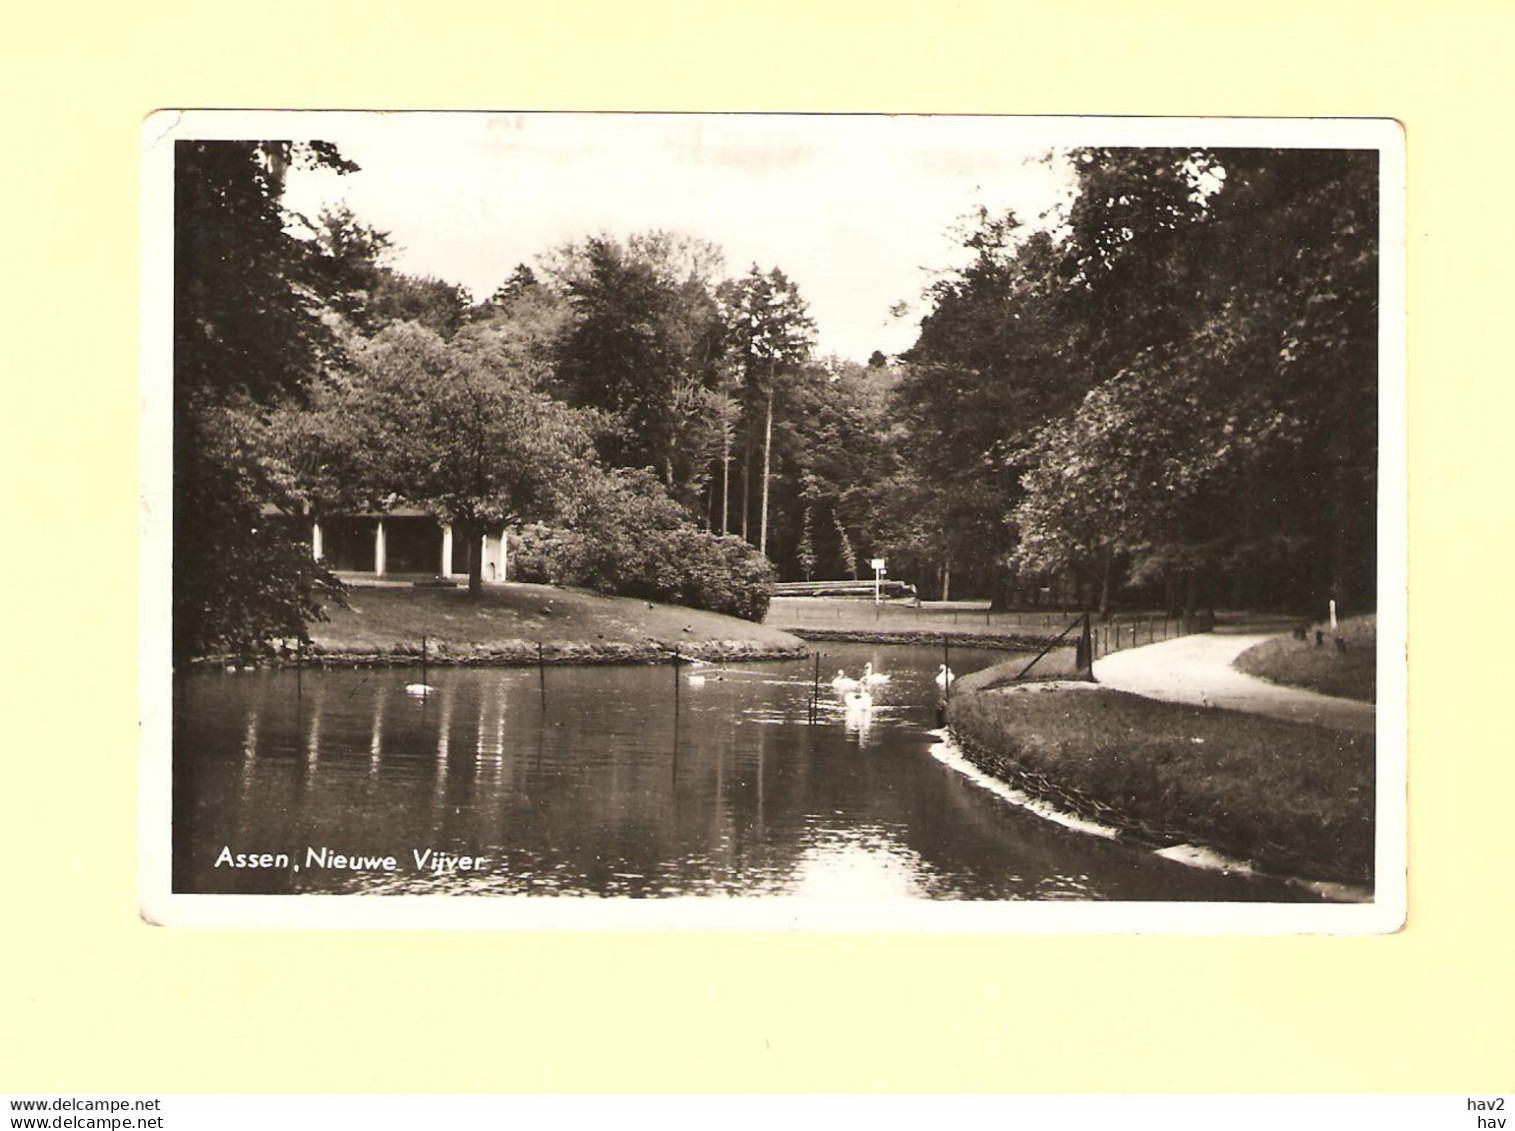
{"points": [[91, 1000]]}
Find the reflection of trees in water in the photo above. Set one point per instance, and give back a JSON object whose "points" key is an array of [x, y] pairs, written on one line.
{"points": [[376, 736], [601, 793], [250, 733], [444, 748], [313, 729]]}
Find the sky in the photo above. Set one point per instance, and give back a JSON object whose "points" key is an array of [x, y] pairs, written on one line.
{"points": [[857, 210]]}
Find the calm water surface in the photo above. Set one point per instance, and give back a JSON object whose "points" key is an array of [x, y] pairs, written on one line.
{"points": [[631, 781]]}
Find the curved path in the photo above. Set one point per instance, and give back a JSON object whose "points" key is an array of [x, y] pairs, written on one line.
{"points": [[1197, 669]]}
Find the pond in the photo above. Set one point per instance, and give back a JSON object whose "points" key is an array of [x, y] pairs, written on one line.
{"points": [[623, 781]]}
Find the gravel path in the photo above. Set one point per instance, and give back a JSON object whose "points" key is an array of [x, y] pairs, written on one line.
{"points": [[1197, 669]]}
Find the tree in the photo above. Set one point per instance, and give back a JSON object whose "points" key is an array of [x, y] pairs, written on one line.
{"points": [[996, 358], [248, 335], [1238, 435], [643, 348], [366, 289], [831, 452], [457, 427], [769, 333], [440, 306], [522, 279]]}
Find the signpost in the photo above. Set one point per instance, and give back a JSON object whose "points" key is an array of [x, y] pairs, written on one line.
{"points": [[878, 577]]}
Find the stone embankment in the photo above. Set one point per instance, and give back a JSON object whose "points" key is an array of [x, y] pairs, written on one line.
{"points": [[519, 653]]}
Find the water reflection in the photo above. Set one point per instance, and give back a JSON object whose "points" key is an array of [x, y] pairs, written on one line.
{"points": [[858, 864], [858, 722], [376, 736], [626, 781]]}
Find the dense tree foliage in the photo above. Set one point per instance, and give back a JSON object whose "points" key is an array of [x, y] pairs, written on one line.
{"points": [[642, 348], [1165, 394], [248, 334], [456, 427], [769, 334], [625, 535], [1234, 436]]}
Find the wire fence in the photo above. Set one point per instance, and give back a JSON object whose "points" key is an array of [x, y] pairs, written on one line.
{"points": [[1071, 652], [1117, 634]]}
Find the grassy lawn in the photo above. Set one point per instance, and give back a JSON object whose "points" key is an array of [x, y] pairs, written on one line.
{"points": [[1326, 669], [516, 616], [1289, 797]]}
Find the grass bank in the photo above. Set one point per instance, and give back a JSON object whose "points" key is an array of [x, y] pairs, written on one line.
{"points": [[1344, 664], [860, 614], [505, 624], [905, 622], [1291, 798]]}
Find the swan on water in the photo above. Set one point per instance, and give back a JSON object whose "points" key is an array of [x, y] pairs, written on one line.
{"points": [[843, 683], [944, 676], [696, 681], [419, 689], [872, 677], [858, 700]]}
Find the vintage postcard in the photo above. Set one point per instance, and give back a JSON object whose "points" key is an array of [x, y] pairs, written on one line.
{"points": [[742, 521]]}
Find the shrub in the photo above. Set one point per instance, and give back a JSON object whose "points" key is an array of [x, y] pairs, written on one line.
{"points": [[627, 537]]}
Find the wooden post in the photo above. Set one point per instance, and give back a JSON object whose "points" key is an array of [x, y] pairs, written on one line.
{"points": [[542, 672], [423, 657]]}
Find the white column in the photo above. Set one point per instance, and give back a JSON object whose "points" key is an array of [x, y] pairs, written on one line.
{"points": [[378, 548], [504, 551], [484, 557], [315, 540], [446, 570]]}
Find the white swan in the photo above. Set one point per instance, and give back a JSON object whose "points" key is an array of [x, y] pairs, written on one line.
{"points": [[858, 700], [696, 681], [419, 689], [872, 677], [944, 677], [843, 683]]}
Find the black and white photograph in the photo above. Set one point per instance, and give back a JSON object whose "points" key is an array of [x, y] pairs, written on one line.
{"points": [[842, 522]]}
